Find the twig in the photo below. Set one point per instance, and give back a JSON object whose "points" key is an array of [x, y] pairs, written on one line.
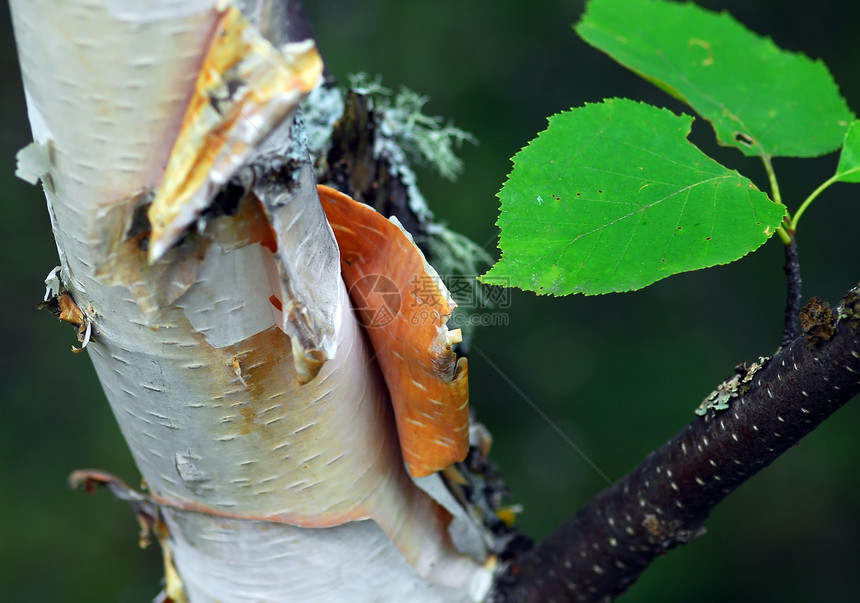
{"points": [[791, 268]]}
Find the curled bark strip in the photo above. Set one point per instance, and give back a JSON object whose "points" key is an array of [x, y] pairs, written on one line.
{"points": [[404, 306], [150, 519], [90, 479]]}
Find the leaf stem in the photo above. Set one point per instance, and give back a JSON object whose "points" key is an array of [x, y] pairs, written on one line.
{"points": [[771, 176], [810, 199], [784, 236]]}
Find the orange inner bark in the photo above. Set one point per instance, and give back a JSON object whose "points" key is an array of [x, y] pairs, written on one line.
{"points": [[404, 313]]}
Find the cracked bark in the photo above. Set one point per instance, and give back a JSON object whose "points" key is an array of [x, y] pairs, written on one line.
{"points": [[665, 501]]}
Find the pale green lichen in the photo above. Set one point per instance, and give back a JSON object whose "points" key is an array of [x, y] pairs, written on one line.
{"points": [[737, 385], [361, 83], [454, 251], [424, 138], [321, 110], [718, 399], [406, 137]]}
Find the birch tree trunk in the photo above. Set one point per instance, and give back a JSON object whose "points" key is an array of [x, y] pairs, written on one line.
{"points": [[224, 338]]}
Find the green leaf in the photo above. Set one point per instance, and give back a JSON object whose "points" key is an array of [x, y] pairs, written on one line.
{"points": [[612, 197], [848, 169], [759, 98]]}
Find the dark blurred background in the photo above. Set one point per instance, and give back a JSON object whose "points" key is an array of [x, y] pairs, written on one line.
{"points": [[617, 374]]}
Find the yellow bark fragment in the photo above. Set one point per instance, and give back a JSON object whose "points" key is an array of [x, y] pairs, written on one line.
{"points": [[245, 88]]}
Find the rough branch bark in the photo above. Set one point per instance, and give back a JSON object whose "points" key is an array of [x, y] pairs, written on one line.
{"points": [[665, 501]]}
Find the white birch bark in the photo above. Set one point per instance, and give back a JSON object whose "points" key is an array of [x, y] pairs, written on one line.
{"points": [[271, 489]]}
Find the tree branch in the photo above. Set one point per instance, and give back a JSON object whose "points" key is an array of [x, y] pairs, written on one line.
{"points": [[665, 501]]}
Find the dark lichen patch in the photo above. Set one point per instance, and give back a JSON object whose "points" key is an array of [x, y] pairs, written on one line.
{"points": [[818, 321]]}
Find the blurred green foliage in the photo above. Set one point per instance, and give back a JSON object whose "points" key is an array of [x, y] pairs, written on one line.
{"points": [[617, 374]]}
